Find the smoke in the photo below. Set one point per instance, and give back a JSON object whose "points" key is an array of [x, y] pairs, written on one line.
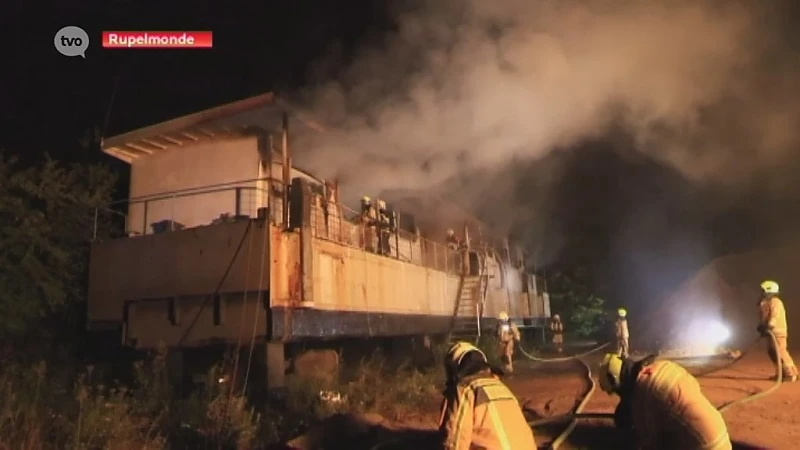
{"points": [[468, 86]]}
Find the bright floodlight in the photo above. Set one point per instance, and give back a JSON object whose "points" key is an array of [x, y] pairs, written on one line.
{"points": [[718, 332]]}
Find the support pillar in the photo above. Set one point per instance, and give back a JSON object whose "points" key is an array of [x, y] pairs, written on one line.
{"points": [[175, 371], [274, 358]]}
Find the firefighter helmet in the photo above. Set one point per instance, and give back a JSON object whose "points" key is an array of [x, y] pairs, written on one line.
{"points": [[770, 287], [457, 351], [610, 371]]}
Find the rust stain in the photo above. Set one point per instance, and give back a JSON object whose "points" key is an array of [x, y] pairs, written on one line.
{"points": [[295, 284]]}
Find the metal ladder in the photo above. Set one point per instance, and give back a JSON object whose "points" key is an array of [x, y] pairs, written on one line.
{"points": [[466, 321]]}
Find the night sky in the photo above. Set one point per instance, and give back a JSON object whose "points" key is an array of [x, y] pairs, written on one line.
{"points": [[52, 103], [258, 47]]}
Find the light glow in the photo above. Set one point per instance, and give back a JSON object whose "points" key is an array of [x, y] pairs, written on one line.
{"points": [[704, 337]]}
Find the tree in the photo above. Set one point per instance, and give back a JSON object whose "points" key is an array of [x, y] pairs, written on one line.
{"points": [[47, 216], [573, 296]]}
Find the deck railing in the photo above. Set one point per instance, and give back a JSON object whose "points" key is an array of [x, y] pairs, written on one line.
{"points": [[209, 205], [188, 208], [338, 223]]}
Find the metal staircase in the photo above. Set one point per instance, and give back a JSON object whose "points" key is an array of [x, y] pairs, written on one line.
{"points": [[466, 320]]}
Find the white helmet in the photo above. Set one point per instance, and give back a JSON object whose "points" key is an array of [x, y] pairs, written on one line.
{"points": [[556, 317]]}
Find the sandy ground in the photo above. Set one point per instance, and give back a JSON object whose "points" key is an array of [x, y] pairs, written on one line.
{"points": [[552, 389], [769, 422]]}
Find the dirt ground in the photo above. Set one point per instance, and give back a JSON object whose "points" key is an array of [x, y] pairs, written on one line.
{"points": [[551, 389], [766, 423]]}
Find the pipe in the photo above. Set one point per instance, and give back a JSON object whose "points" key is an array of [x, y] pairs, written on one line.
{"points": [[286, 167]]}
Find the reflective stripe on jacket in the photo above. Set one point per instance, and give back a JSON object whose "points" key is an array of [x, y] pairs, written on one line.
{"points": [[507, 332], [773, 315], [671, 412], [484, 414]]}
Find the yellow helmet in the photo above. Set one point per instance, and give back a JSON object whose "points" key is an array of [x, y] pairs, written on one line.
{"points": [[610, 370], [503, 316], [457, 351], [621, 312], [366, 199], [770, 287]]}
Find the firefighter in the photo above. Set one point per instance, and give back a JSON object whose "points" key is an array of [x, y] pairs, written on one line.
{"points": [[384, 223], [558, 332], [622, 333], [452, 241], [662, 404], [507, 334], [773, 318], [368, 221], [479, 411]]}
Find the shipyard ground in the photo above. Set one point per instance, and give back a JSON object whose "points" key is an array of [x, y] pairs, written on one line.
{"points": [[555, 388]]}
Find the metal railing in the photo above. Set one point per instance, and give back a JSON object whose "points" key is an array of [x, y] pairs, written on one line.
{"points": [[209, 205], [188, 208], [338, 223]]}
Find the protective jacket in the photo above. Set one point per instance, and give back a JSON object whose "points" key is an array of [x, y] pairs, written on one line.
{"points": [[664, 405], [622, 328], [773, 315], [507, 331], [481, 413]]}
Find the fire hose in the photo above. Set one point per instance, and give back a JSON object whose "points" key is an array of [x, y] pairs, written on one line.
{"points": [[578, 413]]}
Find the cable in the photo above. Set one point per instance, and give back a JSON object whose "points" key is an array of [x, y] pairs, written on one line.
{"points": [[564, 358], [578, 414], [219, 285], [578, 409], [258, 303], [757, 395]]}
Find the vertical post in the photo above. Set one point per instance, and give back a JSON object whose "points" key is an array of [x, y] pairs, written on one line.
{"points": [[269, 177], [435, 256], [396, 218], [286, 162], [446, 258], [144, 218], [274, 358], [238, 201], [172, 214], [94, 232], [465, 265]]}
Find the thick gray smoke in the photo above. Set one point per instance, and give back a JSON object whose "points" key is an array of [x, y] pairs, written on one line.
{"points": [[469, 85]]}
